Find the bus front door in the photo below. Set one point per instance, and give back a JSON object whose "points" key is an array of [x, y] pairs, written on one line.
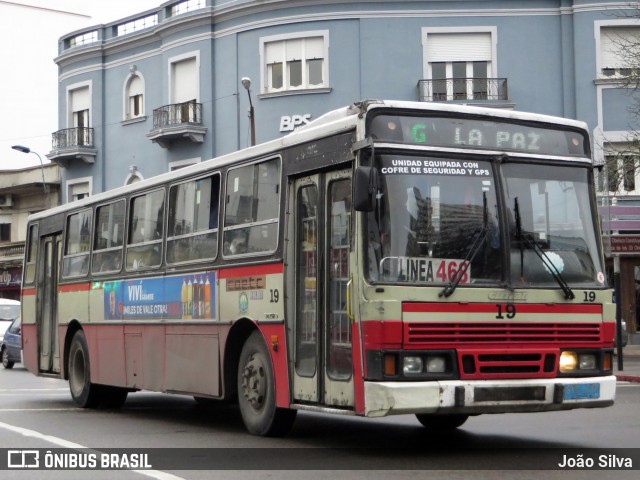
{"points": [[47, 312], [322, 350]]}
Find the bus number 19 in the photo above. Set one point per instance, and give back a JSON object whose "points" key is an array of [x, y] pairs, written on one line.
{"points": [[275, 296], [509, 310]]}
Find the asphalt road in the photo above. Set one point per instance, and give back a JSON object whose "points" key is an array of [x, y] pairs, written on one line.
{"points": [[179, 435]]}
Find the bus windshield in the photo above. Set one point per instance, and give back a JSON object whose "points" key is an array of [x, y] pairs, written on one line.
{"points": [[551, 226], [437, 221]]}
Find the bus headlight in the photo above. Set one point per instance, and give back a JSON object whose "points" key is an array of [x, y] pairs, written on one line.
{"points": [[436, 364], [574, 361], [587, 361], [568, 362], [412, 365]]}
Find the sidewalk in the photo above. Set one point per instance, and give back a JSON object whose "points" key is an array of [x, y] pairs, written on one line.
{"points": [[630, 364]]}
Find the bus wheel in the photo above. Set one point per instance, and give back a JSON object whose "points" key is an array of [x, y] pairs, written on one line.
{"points": [[256, 392], [441, 422], [6, 363], [84, 393]]}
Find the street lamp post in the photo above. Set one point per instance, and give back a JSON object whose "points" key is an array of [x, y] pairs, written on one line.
{"points": [[24, 149], [246, 83]]}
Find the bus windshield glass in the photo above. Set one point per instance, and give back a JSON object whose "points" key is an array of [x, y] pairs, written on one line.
{"points": [[432, 216], [551, 225], [438, 219]]}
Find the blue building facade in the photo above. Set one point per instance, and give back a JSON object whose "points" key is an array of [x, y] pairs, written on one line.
{"points": [[164, 88]]}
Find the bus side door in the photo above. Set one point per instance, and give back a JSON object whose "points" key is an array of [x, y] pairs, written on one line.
{"points": [[47, 312], [321, 231]]}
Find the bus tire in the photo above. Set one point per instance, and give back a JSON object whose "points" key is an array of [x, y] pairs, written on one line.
{"points": [[6, 363], [84, 393], [441, 422], [256, 392]]}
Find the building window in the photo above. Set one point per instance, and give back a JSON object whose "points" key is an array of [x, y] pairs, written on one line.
{"points": [[83, 39], [5, 228], [618, 50], [134, 97], [621, 173], [187, 6], [460, 64], [78, 189], [136, 25], [629, 172], [296, 62], [184, 79], [79, 116]]}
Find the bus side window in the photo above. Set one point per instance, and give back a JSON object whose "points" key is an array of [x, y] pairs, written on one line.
{"points": [[75, 262], [144, 244], [108, 238], [192, 232], [252, 209]]}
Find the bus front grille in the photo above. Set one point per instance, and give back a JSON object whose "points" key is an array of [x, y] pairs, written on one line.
{"points": [[452, 334]]}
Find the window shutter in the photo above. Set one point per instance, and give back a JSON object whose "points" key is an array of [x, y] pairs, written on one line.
{"points": [[185, 81], [294, 50], [274, 52], [80, 99], [314, 48], [612, 40], [136, 87], [458, 47]]}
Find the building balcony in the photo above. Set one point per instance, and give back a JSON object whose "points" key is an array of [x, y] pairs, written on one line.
{"points": [[475, 90], [72, 143], [177, 121], [11, 253]]}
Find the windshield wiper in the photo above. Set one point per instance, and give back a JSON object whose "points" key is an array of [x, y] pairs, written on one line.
{"points": [[473, 251], [542, 255]]}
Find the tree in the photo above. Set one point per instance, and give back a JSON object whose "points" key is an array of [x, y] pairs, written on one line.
{"points": [[621, 65]]}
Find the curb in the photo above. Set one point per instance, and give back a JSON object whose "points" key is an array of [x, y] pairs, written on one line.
{"points": [[621, 377]]}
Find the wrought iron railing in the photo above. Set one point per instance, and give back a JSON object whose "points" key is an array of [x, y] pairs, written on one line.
{"points": [[177, 113], [73, 137], [450, 89]]}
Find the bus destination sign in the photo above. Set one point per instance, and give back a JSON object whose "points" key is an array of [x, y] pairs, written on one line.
{"points": [[477, 133]]}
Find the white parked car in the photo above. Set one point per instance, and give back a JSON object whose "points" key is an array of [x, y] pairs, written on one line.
{"points": [[9, 311]]}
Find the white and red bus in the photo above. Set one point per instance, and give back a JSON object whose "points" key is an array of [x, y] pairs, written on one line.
{"points": [[388, 258]]}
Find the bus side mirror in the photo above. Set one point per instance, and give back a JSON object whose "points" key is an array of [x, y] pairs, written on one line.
{"points": [[365, 189]]}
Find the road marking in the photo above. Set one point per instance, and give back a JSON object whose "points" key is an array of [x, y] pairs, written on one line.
{"points": [[37, 409], [76, 446]]}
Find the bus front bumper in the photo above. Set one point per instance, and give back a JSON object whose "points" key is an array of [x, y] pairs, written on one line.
{"points": [[487, 396]]}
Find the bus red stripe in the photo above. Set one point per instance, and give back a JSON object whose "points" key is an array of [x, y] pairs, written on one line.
{"points": [[74, 287], [251, 270], [415, 307]]}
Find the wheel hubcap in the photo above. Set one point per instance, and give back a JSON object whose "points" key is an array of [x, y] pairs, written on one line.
{"points": [[254, 382]]}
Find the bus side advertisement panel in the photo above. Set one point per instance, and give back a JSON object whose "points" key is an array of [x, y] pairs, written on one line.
{"points": [[175, 297]]}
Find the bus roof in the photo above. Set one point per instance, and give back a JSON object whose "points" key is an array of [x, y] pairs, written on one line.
{"points": [[336, 121]]}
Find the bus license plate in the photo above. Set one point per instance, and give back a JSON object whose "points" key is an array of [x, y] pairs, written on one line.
{"points": [[582, 391]]}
